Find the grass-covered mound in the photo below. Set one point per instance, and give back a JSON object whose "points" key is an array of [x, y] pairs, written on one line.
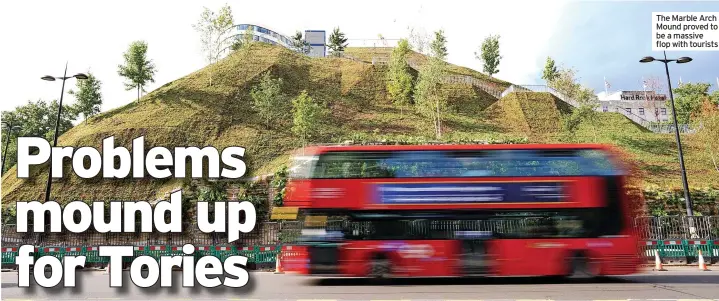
{"points": [[212, 107]]}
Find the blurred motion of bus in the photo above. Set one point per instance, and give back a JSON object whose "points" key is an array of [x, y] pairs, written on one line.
{"points": [[462, 210]]}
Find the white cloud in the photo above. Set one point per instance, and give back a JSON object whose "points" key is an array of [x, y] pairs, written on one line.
{"points": [[39, 36]]}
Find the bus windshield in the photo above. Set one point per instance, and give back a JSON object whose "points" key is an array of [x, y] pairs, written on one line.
{"points": [[482, 163]]}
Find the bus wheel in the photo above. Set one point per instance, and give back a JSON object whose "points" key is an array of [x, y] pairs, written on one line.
{"points": [[380, 268], [581, 267]]}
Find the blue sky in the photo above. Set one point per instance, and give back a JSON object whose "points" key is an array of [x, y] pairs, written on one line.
{"points": [[597, 38], [608, 38]]}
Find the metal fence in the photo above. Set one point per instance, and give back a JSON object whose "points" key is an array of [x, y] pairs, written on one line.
{"points": [[272, 233]]}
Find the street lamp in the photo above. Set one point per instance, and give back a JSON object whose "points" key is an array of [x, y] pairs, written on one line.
{"points": [[10, 128], [681, 60], [64, 77]]}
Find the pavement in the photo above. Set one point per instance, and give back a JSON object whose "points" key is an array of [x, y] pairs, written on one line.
{"points": [[675, 284]]}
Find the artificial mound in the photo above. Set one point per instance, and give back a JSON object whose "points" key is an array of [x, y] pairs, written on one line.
{"points": [[212, 107]]}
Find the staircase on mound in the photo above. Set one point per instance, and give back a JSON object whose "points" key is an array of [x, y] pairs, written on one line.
{"points": [[656, 128], [380, 58], [497, 92]]}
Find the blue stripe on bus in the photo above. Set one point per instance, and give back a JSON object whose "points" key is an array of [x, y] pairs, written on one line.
{"points": [[463, 193]]}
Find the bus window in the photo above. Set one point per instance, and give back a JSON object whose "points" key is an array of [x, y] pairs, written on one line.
{"points": [[439, 164]]}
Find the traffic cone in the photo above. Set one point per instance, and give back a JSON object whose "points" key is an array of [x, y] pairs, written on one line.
{"points": [[658, 262], [278, 265], [702, 264]]}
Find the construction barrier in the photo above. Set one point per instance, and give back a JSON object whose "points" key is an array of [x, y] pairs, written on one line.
{"points": [[707, 248], [673, 252], [8, 255], [293, 257]]}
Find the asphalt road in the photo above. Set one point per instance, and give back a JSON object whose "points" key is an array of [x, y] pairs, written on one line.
{"points": [[676, 284]]}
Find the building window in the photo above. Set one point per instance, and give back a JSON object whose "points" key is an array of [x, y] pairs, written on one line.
{"points": [[664, 111], [629, 110], [641, 111], [605, 109]]}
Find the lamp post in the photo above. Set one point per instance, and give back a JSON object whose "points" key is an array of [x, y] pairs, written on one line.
{"points": [[64, 77], [10, 128], [666, 61]]}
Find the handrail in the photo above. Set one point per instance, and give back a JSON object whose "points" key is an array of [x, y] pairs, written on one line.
{"points": [[683, 128]]}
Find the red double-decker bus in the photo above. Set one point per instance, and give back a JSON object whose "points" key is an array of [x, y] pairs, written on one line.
{"points": [[463, 210]]}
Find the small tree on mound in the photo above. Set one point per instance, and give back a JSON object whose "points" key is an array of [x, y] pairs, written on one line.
{"points": [[138, 70], [550, 70], [708, 131], [338, 42], [489, 55], [88, 95], [300, 44], [429, 97], [399, 79], [267, 99], [307, 115], [565, 82]]}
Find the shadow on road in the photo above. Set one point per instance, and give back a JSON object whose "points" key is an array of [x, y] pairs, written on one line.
{"points": [[655, 279], [128, 286]]}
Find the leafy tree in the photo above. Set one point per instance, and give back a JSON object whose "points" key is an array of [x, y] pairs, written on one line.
{"points": [[88, 95], [708, 130], [68, 115], [34, 119], [307, 115], [214, 29], [212, 192], [337, 42], [489, 55], [138, 70], [565, 81], [399, 79], [429, 97], [300, 44], [267, 99], [688, 100], [439, 46], [550, 70]]}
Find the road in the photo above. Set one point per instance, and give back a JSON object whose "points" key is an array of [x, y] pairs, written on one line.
{"points": [[676, 284]]}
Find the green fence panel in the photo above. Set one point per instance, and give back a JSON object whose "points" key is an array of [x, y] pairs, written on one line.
{"points": [[673, 251], [57, 252], [694, 246], [75, 251], [158, 251], [266, 254], [222, 252], [201, 251], [93, 256], [248, 251], [8, 255]]}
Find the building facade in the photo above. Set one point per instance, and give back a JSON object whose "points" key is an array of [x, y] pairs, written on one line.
{"points": [[316, 38], [648, 105]]}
